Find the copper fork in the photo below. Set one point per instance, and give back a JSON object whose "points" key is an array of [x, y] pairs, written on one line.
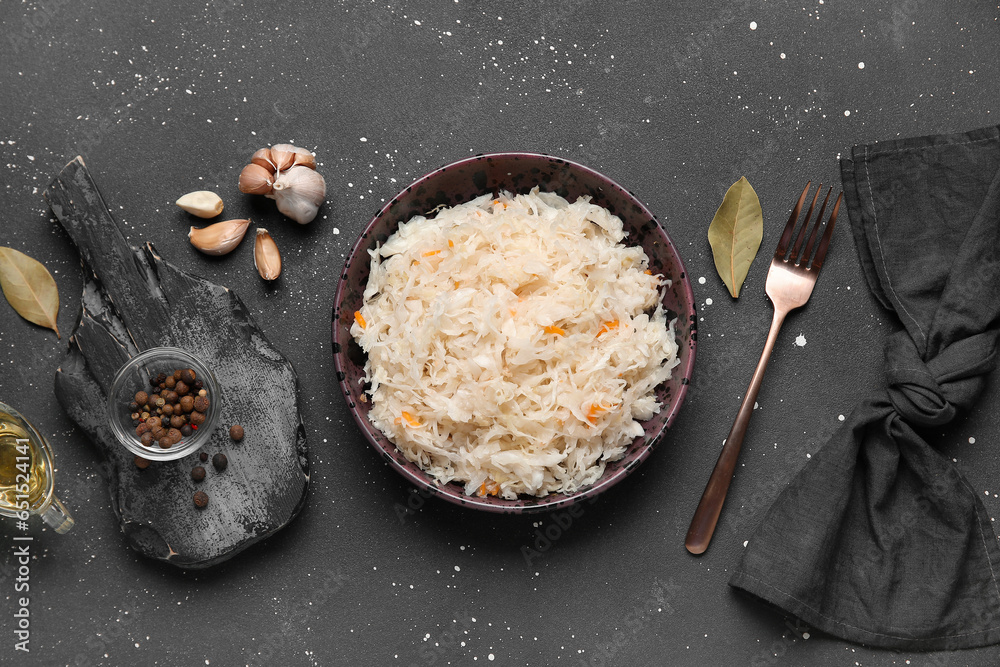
{"points": [[790, 282]]}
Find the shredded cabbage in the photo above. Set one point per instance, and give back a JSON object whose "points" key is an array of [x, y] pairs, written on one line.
{"points": [[513, 343]]}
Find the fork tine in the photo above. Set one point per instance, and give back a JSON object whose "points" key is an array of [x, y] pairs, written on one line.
{"points": [[786, 235], [827, 235], [807, 253], [801, 236]]}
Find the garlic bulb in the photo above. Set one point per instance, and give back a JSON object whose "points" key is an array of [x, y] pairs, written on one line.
{"points": [[220, 238], [266, 257], [299, 193], [286, 174]]}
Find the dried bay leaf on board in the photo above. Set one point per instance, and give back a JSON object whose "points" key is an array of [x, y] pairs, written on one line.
{"points": [[29, 288], [735, 234]]}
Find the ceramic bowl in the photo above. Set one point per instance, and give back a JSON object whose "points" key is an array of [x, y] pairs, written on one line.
{"points": [[458, 183]]}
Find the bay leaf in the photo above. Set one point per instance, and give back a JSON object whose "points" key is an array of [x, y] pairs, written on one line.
{"points": [[29, 288], [735, 234]]}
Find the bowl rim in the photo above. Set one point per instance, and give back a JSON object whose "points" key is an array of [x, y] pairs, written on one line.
{"points": [[204, 432], [423, 481]]}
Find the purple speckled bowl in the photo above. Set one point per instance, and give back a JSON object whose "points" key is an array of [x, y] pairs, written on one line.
{"points": [[460, 182]]}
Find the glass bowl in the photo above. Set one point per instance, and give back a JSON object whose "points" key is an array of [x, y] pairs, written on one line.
{"points": [[460, 182], [135, 375]]}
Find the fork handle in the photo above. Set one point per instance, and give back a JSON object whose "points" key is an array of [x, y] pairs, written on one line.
{"points": [[707, 515]]}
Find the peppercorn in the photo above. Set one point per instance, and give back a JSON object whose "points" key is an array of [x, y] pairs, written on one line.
{"points": [[197, 418], [201, 404], [200, 499], [177, 421], [188, 375], [134, 416], [236, 432], [203, 457], [161, 377], [169, 396], [152, 422], [141, 463], [140, 429], [197, 473], [177, 374], [171, 382], [187, 403], [141, 397], [146, 439], [181, 388], [158, 432], [166, 442], [186, 430], [198, 384], [220, 461], [203, 392]]}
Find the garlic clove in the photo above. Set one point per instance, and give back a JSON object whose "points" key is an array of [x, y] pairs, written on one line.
{"points": [[305, 159], [203, 203], [220, 238], [300, 156], [283, 156], [263, 159], [255, 180], [299, 192], [266, 257]]}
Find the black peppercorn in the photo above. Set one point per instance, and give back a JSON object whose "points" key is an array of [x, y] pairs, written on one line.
{"points": [[203, 457], [236, 432], [186, 430], [198, 384], [197, 473], [220, 461], [200, 499], [153, 382]]}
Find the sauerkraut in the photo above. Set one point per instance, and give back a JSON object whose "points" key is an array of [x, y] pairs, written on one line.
{"points": [[513, 343]]}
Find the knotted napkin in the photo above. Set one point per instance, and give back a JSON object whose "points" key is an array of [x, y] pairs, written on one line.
{"points": [[879, 539]]}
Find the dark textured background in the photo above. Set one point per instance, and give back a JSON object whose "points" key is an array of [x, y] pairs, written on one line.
{"points": [[674, 102]]}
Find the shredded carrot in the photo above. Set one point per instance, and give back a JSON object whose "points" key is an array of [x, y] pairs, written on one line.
{"points": [[410, 419], [596, 409], [593, 412], [431, 253], [607, 326], [451, 244], [493, 490], [648, 272], [555, 330], [360, 319]]}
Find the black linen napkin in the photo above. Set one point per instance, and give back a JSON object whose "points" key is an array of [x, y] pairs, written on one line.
{"points": [[879, 539]]}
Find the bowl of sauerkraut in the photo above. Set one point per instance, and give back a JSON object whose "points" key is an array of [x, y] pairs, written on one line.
{"points": [[514, 332]]}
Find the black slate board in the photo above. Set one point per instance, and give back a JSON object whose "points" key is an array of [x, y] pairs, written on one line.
{"points": [[134, 300]]}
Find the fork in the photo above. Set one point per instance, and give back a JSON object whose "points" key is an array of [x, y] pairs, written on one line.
{"points": [[790, 282]]}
